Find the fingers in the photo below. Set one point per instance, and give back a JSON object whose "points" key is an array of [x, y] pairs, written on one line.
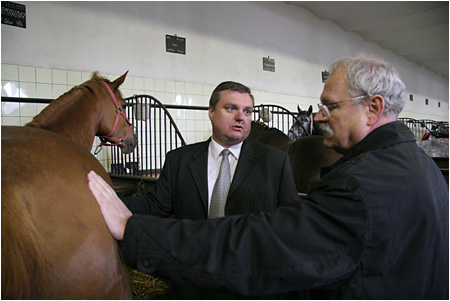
{"points": [[114, 212]]}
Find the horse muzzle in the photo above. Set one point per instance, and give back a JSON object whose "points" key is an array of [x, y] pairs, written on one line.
{"points": [[129, 144]]}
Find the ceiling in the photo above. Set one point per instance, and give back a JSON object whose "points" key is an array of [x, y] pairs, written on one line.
{"points": [[415, 30]]}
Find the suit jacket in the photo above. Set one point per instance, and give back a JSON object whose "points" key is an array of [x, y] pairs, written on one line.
{"points": [[262, 182], [374, 227]]}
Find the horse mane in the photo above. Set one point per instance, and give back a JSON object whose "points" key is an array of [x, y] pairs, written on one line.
{"points": [[58, 109]]}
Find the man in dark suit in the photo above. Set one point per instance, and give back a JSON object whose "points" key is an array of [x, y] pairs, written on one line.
{"points": [[261, 178]]}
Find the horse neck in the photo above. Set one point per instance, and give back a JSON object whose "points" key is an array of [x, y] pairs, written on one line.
{"points": [[72, 115]]}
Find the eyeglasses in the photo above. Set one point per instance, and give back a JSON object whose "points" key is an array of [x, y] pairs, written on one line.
{"points": [[327, 108]]}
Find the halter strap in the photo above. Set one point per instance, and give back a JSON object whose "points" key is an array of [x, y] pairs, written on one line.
{"points": [[119, 112]]}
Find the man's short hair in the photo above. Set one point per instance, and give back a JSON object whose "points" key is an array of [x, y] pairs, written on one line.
{"points": [[228, 85]]}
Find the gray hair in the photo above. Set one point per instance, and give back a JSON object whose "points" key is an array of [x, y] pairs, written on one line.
{"points": [[368, 75]]}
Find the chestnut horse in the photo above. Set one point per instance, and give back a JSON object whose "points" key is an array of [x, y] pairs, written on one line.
{"points": [[307, 155], [55, 243]]}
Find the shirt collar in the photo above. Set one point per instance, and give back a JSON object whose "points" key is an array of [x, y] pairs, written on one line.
{"points": [[215, 149]]}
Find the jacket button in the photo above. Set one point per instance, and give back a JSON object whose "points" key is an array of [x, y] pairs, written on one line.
{"points": [[146, 263]]}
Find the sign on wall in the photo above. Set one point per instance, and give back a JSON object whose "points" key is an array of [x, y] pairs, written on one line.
{"points": [[14, 14], [175, 44], [268, 64]]}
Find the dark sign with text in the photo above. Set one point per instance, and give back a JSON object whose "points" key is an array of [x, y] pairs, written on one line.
{"points": [[14, 14], [268, 64], [175, 44]]}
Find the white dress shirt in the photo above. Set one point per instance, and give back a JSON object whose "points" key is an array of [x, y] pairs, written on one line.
{"points": [[214, 160]]}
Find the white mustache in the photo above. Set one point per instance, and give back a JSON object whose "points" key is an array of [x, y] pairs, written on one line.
{"points": [[325, 127]]}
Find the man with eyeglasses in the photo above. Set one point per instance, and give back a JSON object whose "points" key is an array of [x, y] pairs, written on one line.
{"points": [[374, 227]]}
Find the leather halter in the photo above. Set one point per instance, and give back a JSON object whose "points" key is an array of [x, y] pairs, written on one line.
{"points": [[119, 112]]}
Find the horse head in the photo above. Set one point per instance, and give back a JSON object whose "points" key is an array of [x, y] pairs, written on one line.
{"points": [[302, 125], [115, 128]]}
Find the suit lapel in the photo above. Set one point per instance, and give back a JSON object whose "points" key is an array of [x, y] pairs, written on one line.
{"points": [[199, 170], [249, 154]]}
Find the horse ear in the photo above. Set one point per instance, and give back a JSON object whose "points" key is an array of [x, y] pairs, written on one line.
{"points": [[298, 109], [310, 109], [116, 84]]}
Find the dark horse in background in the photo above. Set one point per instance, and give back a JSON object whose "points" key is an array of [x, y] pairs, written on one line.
{"points": [[307, 155], [304, 125], [55, 243]]}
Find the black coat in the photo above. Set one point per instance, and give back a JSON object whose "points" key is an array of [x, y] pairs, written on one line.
{"points": [[262, 182], [374, 227]]}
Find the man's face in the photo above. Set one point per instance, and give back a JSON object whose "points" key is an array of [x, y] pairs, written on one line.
{"points": [[347, 123], [231, 118]]}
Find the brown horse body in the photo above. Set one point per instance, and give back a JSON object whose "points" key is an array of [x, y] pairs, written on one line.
{"points": [[307, 155], [55, 244]]}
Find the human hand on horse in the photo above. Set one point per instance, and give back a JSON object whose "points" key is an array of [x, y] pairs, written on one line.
{"points": [[114, 211]]}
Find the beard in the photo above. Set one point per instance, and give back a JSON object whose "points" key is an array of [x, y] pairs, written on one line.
{"points": [[326, 129]]}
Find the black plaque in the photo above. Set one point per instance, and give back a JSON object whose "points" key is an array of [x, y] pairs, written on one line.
{"points": [[325, 75], [268, 64], [14, 14], [175, 44]]}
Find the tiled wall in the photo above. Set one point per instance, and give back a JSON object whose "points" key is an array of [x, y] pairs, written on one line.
{"points": [[195, 126], [35, 82]]}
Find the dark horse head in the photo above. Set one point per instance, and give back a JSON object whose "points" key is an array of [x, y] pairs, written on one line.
{"points": [[304, 125]]}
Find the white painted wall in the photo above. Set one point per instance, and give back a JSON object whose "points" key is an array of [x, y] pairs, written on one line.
{"points": [[224, 40]]}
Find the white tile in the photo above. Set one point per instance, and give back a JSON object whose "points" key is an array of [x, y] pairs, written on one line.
{"points": [[179, 87], [10, 109], [10, 72], [74, 78], [27, 74], [27, 90], [28, 110], [127, 84], [160, 85], [189, 88], [190, 100], [126, 92], [25, 119], [44, 75], [138, 83], [59, 77], [190, 115], [85, 76], [11, 120], [40, 107], [137, 92], [59, 90], [149, 84], [201, 115], [198, 89], [10, 89], [161, 96], [207, 90], [44, 91], [171, 98], [170, 86], [205, 100]]}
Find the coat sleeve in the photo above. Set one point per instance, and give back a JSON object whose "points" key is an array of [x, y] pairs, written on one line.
{"points": [[313, 242], [287, 191]]}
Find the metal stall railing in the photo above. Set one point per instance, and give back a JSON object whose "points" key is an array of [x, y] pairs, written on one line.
{"points": [[421, 127], [157, 134], [274, 116]]}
